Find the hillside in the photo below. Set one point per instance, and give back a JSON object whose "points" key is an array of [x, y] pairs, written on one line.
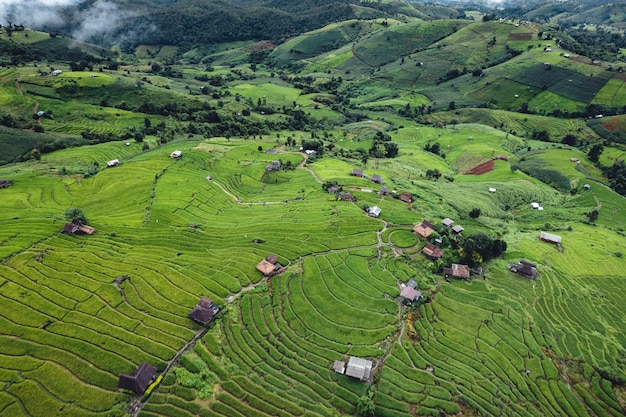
{"points": [[284, 148]]}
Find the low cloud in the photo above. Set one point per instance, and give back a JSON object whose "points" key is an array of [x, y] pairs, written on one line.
{"points": [[98, 22], [35, 13]]}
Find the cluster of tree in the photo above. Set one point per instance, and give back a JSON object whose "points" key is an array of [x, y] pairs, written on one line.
{"points": [[598, 44], [479, 248], [434, 148], [616, 174], [383, 147]]}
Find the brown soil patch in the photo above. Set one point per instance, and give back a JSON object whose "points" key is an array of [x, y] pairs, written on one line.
{"points": [[520, 36], [481, 169]]}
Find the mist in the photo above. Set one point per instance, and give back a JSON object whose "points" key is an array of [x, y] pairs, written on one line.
{"points": [[99, 22]]}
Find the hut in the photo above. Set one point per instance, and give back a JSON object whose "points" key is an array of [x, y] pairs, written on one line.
{"points": [[384, 190], [406, 197], [377, 179], [457, 230], [269, 266], [409, 294], [176, 154], [139, 380], [525, 269], [431, 251], [204, 312], [457, 271], [113, 163], [373, 211], [424, 229], [447, 222], [550, 238], [359, 368], [5, 183], [356, 172]]}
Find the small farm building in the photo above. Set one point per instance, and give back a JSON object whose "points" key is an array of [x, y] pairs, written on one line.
{"points": [[204, 312], [333, 189], [339, 367], [273, 166], [406, 197], [377, 179], [447, 222], [550, 238], [525, 269], [5, 183], [113, 163], [411, 283], [269, 266], [409, 294], [457, 229], [356, 172], [359, 368], [492, 190], [373, 211], [345, 197], [432, 251], [78, 228], [139, 380], [457, 271], [424, 229], [384, 190], [176, 154]]}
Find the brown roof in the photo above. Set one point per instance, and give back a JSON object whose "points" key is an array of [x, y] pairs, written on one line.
{"points": [[377, 179], [457, 271], [71, 228], [266, 268], [410, 294], [432, 251], [87, 229], [424, 229], [406, 197], [139, 379], [205, 302], [203, 315], [525, 269]]}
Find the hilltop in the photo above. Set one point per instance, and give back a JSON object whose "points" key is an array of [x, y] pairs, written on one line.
{"points": [[346, 151]]}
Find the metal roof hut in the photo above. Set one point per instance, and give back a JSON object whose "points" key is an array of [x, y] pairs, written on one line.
{"points": [[339, 367], [525, 269], [356, 172], [359, 368], [550, 238], [447, 222], [113, 163], [457, 271], [377, 179], [410, 294], [139, 380]]}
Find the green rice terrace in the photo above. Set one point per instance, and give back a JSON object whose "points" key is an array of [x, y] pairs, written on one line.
{"points": [[129, 195]]}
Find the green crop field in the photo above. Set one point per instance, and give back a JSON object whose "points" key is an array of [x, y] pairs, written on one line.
{"points": [[263, 131]]}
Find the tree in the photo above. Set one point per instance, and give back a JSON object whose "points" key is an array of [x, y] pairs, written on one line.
{"points": [[73, 214], [260, 148], [451, 105], [593, 215], [474, 213], [433, 174], [36, 154], [595, 152], [569, 140], [145, 146], [139, 137], [365, 404]]}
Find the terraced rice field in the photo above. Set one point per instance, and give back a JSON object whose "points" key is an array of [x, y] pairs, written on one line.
{"points": [[501, 345]]}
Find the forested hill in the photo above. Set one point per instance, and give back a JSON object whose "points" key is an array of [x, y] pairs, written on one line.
{"points": [[189, 23]]}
